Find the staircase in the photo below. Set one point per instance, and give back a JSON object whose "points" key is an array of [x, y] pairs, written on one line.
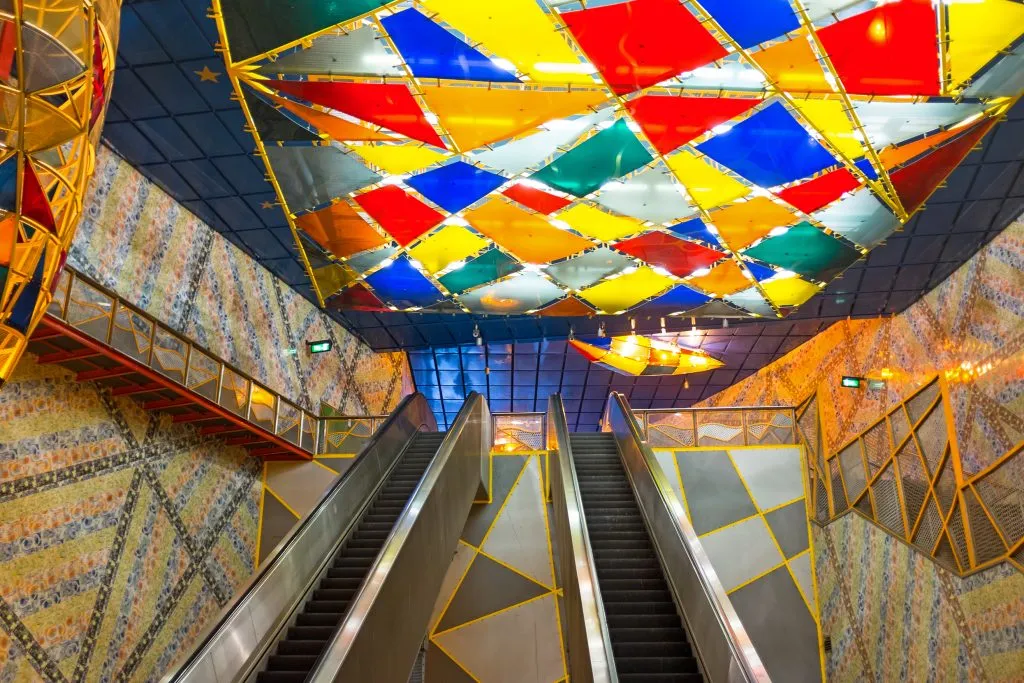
{"points": [[298, 653], [647, 635]]}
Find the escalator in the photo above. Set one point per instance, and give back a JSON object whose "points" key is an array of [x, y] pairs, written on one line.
{"points": [[315, 625], [317, 607], [641, 600], [647, 636]]}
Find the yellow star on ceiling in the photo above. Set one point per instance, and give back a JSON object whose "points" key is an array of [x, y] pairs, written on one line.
{"points": [[207, 75], [267, 205]]}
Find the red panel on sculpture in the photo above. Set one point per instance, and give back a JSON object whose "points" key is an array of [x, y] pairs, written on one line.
{"points": [[387, 104], [538, 200], [890, 50], [814, 194], [401, 214], [637, 44], [677, 256], [669, 121]]}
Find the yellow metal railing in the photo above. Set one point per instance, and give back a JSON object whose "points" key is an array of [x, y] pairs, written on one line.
{"points": [[904, 472]]}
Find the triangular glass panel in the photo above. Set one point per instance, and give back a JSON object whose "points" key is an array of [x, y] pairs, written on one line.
{"points": [[455, 186]]}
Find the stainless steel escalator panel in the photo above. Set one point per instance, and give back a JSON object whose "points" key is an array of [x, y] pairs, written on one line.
{"points": [[589, 648], [380, 636]]}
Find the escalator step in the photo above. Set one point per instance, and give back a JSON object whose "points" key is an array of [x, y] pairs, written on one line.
{"points": [[655, 665], [651, 572], [626, 635], [282, 676], [638, 608], [317, 619], [328, 583], [632, 583], [652, 649], [337, 607], [294, 646], [374, 543], [660, 678], [334, 594], [643, 620], [310, 633], [346, 572], [291, 662]]}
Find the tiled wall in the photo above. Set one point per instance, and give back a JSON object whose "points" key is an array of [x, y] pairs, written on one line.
{"points": [[892, 613], [137, 241], [121, 535]]}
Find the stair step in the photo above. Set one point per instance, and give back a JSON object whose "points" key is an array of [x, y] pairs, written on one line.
{"points": [[291, 663]]}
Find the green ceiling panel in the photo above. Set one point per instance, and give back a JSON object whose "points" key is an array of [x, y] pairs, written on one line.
{"points": [[612, 153], [489, 266], [806, 250]]}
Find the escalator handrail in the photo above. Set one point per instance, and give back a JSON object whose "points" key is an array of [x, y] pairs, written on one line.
{"points": [[418, 417], [595, 622], [719, 637], [328, 667]]}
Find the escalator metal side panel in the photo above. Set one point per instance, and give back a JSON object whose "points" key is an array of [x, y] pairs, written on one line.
{"points": [[247, 628], [722, 644], [585, 627], [381, 635]]}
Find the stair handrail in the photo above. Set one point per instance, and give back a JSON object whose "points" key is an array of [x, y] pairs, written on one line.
{"points": [[721, 642], [235, 642], [588, 642], [383, 630]]}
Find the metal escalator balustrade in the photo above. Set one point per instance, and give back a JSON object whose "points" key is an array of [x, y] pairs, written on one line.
{"points": [[347, 595], [647, 636], [298, 652]]}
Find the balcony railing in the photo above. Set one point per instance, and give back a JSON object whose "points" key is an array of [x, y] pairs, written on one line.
{"points": [[686, 427]]}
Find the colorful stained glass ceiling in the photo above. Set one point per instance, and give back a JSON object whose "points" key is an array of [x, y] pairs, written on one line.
{"points": [[648, 157]]}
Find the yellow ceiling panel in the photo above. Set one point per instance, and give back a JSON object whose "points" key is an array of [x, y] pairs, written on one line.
{"points": [[707, 186], [625, 291], [598, 224], [791, 291], [478, 116], [516, 30], [449, 244], [979, 31], [830, 117], [400, 158]]}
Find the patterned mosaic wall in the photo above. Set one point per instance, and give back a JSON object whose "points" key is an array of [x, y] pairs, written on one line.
{"points": [[874, 590], [137, 241], [120, 535]]}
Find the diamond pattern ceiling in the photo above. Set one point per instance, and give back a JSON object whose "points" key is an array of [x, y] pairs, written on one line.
{"points": [[724, 158]]}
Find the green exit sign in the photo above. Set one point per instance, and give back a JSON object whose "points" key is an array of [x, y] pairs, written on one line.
{"points": [[322, 346], [852, 382]]}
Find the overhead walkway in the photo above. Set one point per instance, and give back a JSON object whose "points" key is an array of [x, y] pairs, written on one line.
{"points": [[348, 594]]}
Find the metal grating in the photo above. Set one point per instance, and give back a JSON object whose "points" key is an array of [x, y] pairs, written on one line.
{"points": [[887, 500], [839, 501], [933, 437], [1006, 503], [945, 487], [929, 528], [987, 544], [913, 479], [853, 469], [671, 429], [900, 425], [958, 537], [864, 506], [876, 446]]}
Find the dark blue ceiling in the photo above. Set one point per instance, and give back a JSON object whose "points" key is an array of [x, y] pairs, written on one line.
{"points": [[172, 116]]}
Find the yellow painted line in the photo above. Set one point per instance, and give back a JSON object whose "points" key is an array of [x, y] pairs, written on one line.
{"points": [[280, 500], [549, 594], [501, 509], [788, 502], [759, 576], [506, 565], [455, 590], [730, 525], [451, 657], [329, 469], [259, 517]]}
